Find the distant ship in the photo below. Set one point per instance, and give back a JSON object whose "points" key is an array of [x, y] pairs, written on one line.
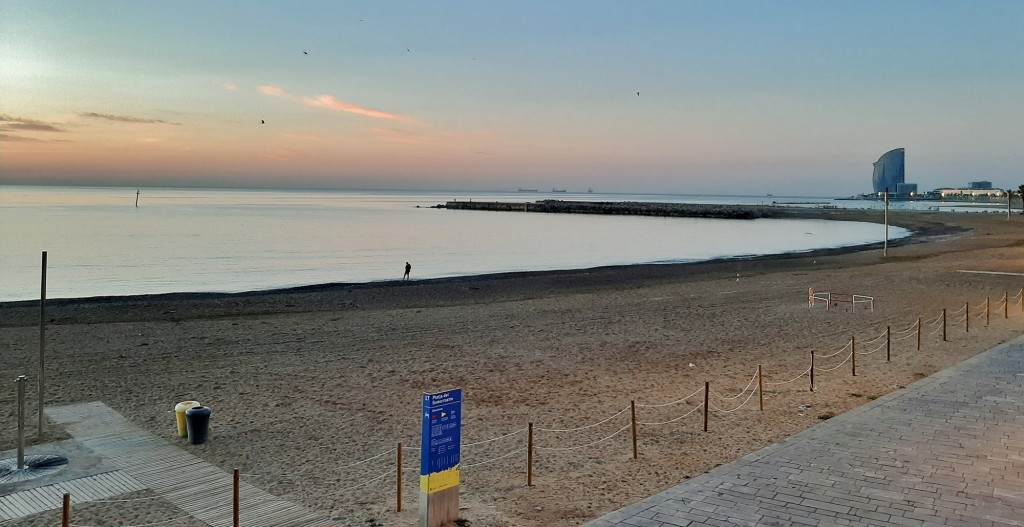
{"points": [[590, 190], [556, 189], [527, 190]]}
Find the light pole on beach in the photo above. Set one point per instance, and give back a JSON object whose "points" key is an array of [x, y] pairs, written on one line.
{"points": [[885, 244]]}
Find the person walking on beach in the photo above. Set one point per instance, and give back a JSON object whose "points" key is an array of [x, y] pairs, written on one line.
{"points": [[408, 268]]}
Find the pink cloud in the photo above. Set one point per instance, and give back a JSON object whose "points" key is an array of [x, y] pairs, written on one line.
{"points": [[229, 86], [273, 91], [331, 103]]}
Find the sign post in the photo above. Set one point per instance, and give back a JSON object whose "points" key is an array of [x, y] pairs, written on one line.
{"points": [[440, 457]]}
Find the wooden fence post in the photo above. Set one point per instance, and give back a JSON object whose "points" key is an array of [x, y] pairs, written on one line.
{"points": [[967, 317], [236, 513], [1006, 304], [812, 370], [943, 324], [398, 478], [707, 391], [988, 310], [529, 456], [888, 343], [918, 333], [853, 355], [632, 416], [760, 389], [65, 520]]}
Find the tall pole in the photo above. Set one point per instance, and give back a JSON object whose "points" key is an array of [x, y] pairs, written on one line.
{"points": [[885, 245], [42, 342], [943, 324], [918, 333]]}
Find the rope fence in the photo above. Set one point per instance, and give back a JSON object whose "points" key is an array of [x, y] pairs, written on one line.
{"points": [[754, 386]]}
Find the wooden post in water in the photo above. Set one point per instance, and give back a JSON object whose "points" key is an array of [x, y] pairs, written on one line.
{"points": [[65, 517], [137, 192], [632, 416], [707, 390], [918, 333], [236, 505], [42, 344], [398, 479], [888, 343], [529, 456], [760, 388]]}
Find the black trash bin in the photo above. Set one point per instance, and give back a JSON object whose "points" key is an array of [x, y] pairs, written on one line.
{"points": [[197, 423]]}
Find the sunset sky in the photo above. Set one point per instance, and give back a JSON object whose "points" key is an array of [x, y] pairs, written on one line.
{"points": [[735, 97]]}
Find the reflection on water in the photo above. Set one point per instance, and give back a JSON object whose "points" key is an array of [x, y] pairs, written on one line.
{"points": [[100, 244]]}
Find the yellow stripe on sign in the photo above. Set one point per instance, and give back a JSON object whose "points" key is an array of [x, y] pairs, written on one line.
{"points": [[440, 480]]}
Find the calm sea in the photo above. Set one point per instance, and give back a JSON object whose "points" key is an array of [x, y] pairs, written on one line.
{"points": [[99, 243]]}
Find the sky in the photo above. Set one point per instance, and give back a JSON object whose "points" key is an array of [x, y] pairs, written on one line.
{"points": [[677, 96]]}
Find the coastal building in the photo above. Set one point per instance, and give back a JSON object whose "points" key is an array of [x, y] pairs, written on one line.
{"points": [[979, 185], [889, 171], [906, 189]]}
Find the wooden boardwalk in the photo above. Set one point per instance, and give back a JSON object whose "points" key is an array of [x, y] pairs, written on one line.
{"points": [[191, 484], [82, 490]]}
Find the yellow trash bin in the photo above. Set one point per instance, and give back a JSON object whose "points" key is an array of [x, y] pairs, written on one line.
{"points": [[179, 413]]}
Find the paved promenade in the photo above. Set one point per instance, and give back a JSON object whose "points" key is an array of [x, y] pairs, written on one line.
{"points": [[948, 450]]}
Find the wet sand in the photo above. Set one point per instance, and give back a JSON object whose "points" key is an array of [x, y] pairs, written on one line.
{"points": [[304, 382]]}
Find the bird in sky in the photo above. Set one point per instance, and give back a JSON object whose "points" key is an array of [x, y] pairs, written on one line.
{"points": [[637, 94], [262, 121], [304, 52]]}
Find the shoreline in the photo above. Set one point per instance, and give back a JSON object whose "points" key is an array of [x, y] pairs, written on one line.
{"points": [[925, 228]]}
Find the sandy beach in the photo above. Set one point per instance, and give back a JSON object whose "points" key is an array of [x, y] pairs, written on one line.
{"points": [[304, 383]]}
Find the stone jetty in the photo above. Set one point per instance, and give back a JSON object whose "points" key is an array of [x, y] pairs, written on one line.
{"points": [[631, 208]]}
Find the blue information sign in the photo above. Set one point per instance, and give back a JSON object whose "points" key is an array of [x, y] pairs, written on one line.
{"points": [[442, 440]]}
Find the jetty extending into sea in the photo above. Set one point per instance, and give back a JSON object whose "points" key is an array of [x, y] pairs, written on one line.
{"points": [[637, 208]]}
